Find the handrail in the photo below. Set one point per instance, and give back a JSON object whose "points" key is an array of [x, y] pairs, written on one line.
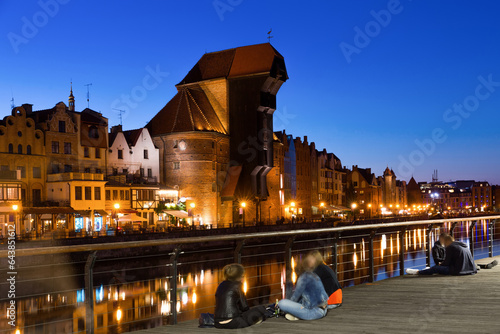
{"points": [[240, 236]]}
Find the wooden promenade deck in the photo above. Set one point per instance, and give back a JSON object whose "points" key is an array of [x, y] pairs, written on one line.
{"points": [[409, 304]]}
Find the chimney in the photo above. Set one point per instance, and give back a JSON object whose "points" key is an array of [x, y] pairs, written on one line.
{"points": [[28, 108], [116, 129]]}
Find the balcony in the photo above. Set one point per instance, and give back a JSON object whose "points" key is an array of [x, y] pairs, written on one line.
{"points": [[70, 176]]}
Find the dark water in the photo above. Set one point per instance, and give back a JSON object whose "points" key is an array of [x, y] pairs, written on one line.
{"points": [[133, 292]]}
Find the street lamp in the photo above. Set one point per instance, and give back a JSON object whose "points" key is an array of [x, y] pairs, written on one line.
{"points": [[322, 206], [192, 206], [353, 207], [243, 205], [116, 207], [369, 210]]}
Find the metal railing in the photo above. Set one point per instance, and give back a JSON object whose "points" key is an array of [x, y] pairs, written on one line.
{"points": [[360, 253]]}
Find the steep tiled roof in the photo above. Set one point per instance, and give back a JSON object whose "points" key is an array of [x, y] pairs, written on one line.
{"points": [[235, 62], [131, 136], [189, 110]]}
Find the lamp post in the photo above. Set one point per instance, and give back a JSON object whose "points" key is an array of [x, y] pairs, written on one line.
{"points": [[322, 206], [369, 210], [243, 206], [15, 207], [292, 205], [116, 207], [192, 206], [353, 207]]}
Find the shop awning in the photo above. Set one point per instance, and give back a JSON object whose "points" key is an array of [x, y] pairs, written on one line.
{"points": [[82, 212], [177, 213], [48, 210], [337, 208], [101, 212], [132, 218], [231, 181], [124, 211]]}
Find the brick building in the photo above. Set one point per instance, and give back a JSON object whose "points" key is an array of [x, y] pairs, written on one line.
{"points": [[215, 135]]}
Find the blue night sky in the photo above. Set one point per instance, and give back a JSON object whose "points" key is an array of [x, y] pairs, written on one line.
{"points": [[368, 97]]}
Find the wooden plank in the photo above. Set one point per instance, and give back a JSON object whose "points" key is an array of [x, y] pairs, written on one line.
{"points": [[408, 304]]}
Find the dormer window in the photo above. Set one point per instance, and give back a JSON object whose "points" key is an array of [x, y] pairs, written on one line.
{"points": [[93, 132], [62, 126]]}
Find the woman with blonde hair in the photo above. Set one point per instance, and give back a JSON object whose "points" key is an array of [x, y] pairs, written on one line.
{"points": [[314, 261], [231, 308]]}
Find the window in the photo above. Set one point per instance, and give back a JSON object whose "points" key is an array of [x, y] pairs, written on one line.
{"points": [[146, 154], [28, 150], [127, 195], [55, 147], [68, 168], [86, 170], [23, 171], [124, 170], [78, 193], [97, 193], [141, 171], [122, 195], [86, 152], [11, 148], [62, 126], [97, 153], [98, 170], [93, 132], [150, 172], [55, 168], [37, 173], [120, 154], [67, 148], [19, 149], [177, 165], [88, 193], [108, 195], [115, 195]]}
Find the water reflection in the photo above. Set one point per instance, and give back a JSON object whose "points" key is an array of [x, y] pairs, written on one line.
{"points": [[126, 304]]}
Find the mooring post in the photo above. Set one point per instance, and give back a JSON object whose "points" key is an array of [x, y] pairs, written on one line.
{"points": [[402, 245], [471, 237], [371, 275], [174, 257]]}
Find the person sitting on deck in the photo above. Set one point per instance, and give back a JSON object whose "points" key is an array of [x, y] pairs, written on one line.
{"points": [[438, 250], [314, 261], [458, 260], [231, 308], [309, 301]]}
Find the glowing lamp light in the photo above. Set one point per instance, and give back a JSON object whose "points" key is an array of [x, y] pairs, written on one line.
{"points": [[322, 204], [292, 204], [192, 205], [243, 204], [354, 205], [15, 207], [116, 206], [18, 331]]}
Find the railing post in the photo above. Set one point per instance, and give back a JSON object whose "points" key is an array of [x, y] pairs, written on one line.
{"points": [[471, 237], [174, 257], [89, 287], [491, 232], [288, 267], [402, 239], [371, 275], [237, 251], [452, 228], [428, 246], [335, 252]]}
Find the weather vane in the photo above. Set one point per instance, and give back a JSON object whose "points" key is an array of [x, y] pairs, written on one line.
{"points": [[269, 35]]}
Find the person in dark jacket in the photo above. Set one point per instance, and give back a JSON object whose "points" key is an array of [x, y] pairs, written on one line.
{"points": [[314, 261], [231, 308], [458, 260], [438, 250]]}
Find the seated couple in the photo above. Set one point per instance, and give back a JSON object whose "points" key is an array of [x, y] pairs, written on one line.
{"points": [[317, 290], [451, 258]]}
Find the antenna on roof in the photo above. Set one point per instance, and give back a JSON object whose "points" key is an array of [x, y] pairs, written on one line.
{"points": [[88, 94], [269, 35], [120, 112]]}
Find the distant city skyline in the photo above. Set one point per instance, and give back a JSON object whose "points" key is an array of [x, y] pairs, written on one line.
{"points": [[409, 85]]}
